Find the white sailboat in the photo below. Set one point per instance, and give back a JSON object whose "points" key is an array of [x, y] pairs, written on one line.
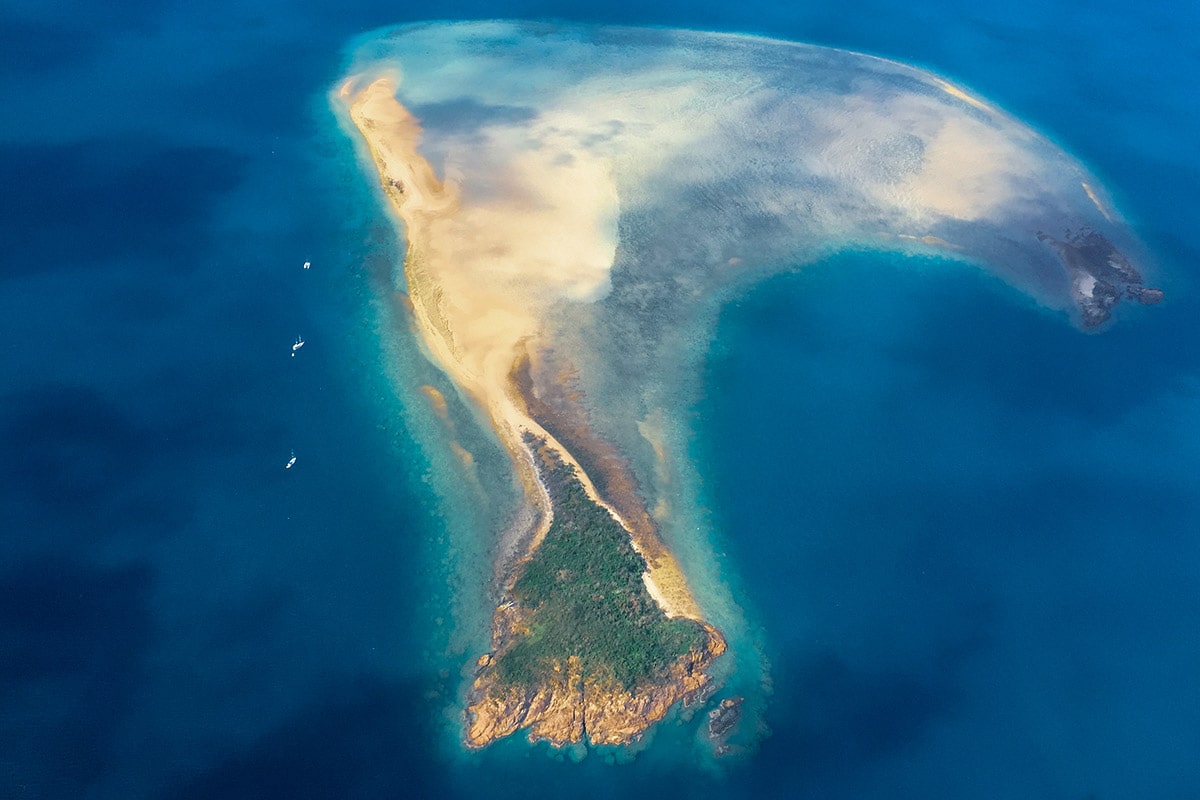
{"points": [[299, 343], [307, 264]]}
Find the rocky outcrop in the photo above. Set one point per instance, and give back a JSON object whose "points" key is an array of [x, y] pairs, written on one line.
{"points": [[565, 706], [722, 721], [1100, 274], [552, 710], [1146, 297]]}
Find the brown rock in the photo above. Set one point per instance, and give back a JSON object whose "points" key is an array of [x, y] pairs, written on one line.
{"points": [[566, 707], [724, 718], [1145, 296]]}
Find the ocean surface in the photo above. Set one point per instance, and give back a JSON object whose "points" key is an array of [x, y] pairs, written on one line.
{"points": [[966, 535]]}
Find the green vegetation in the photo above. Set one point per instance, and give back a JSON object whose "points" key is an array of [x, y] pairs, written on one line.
{"points": [[583, 588]]}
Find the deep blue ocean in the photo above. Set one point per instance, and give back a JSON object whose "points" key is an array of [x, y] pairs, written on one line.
{"points": [[969, 533]]}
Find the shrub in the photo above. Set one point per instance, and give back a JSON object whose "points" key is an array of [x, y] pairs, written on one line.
{"points": [[583, 592]]}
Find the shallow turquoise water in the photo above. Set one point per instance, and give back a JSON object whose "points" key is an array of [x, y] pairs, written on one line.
{"points": [[966, 530]]}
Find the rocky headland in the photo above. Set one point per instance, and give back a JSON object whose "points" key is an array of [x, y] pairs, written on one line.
{"points": [[566, 706], [581, 650]]}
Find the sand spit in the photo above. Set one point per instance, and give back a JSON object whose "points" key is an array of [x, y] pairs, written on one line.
{"points": [[478, 320]]}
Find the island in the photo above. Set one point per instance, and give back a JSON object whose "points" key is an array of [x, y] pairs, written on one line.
{"points": [[576, 203], [598, 635], [1101, 274]]}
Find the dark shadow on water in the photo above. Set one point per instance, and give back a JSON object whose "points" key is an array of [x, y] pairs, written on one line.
{"points": [[836, 723], [78, 472], [1033, 360], [849, 715], [65, 443], [37, 38], [81, 205], [37, 46], [72, 642], [365, 739]]}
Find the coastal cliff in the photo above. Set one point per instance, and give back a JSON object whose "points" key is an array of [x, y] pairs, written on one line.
{"points": [[564, 706]]}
